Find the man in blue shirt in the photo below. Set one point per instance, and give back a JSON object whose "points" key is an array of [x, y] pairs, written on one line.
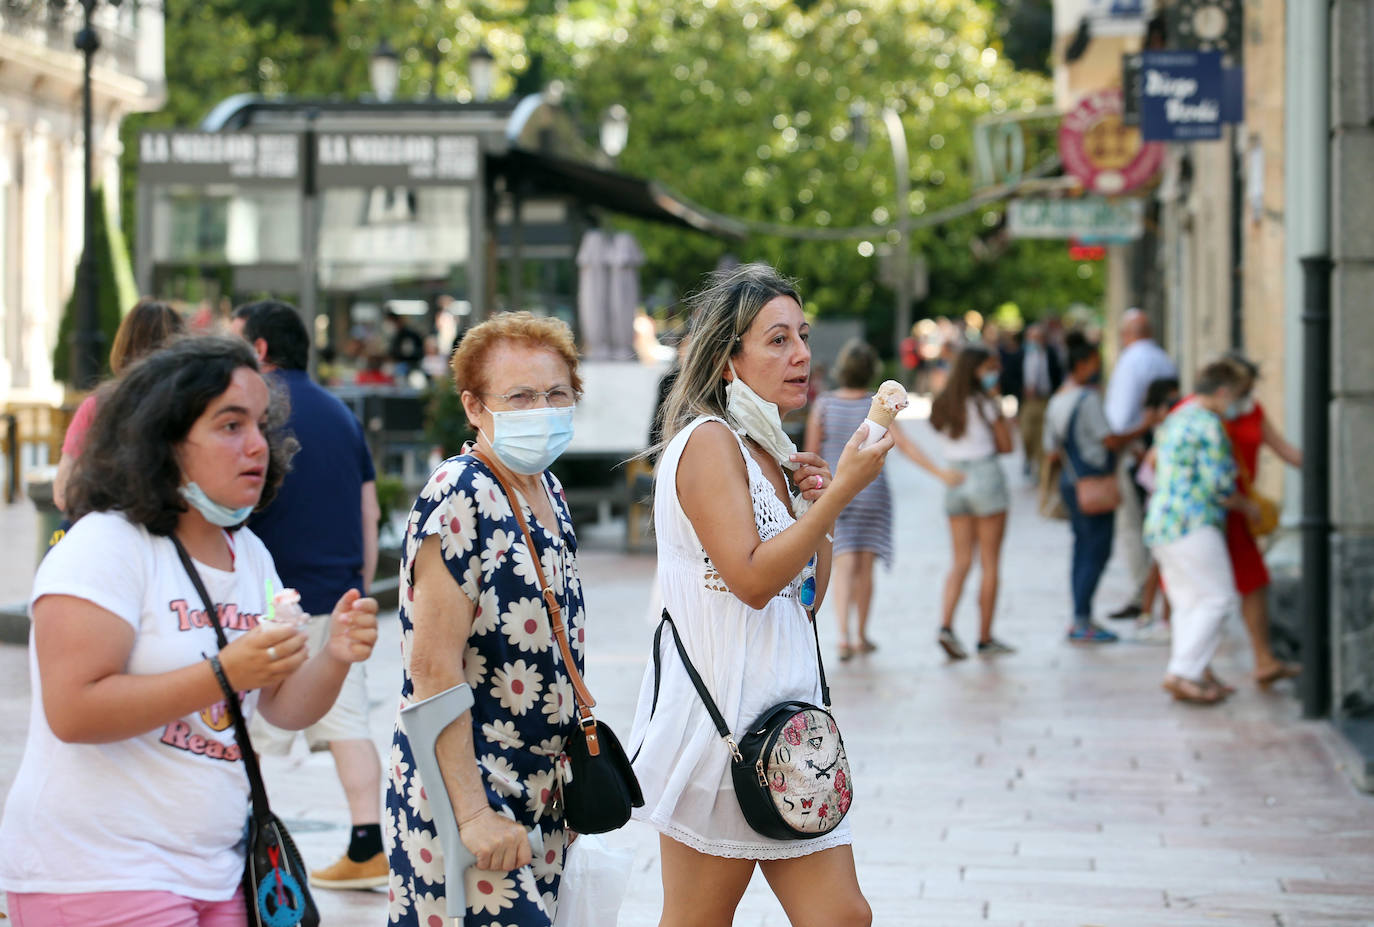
{"points": [[321, 530]]}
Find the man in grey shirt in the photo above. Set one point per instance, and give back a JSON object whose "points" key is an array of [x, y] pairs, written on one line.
{"points": [[1141, 363]]}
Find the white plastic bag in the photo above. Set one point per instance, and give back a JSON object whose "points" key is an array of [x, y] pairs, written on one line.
{"points": [[595, 877]]}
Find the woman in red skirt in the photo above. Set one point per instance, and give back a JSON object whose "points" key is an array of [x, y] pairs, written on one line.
{"points": [[1249, 429]]}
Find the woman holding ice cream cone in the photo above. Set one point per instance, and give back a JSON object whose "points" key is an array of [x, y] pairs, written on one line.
{"points": [[972, 433], [863, 532], [742, 520]]}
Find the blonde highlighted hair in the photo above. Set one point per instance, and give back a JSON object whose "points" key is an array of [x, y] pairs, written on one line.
{"points": [[721, 313]]}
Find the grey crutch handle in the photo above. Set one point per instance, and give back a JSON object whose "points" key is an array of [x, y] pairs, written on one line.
{"points": [[424, 721]]}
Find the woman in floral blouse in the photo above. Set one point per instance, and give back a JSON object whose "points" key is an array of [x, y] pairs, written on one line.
{"points": [[471, 612], [1184, 528]]}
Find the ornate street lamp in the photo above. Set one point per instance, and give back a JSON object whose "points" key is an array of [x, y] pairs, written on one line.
{"points": [[384, 71], [615, 130], [481, 70], [87, 339]]}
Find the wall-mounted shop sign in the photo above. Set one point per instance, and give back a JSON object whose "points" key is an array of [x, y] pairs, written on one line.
{"points": [[217, 157], [1182, 96], [1208, 25], [346, 159], [1090, 219], [1097, 147]]}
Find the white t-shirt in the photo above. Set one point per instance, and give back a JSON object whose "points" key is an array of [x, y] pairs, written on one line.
{"points": [[165, 810], [977, 442]]}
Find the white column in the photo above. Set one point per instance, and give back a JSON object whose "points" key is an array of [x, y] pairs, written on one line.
{"points": [[7, 309], [34, 368]]}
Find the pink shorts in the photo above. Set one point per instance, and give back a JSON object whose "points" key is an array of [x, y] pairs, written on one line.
{"points": [[123, 909]]}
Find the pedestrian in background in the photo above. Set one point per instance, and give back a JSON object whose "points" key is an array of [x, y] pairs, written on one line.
{"points": [[321, 530], [1040, 377], [736, 557], [471, 612], [147, 327], [1195, 487], [1076, 432], [130, 803], [863, 532], [1139, 364], [1160, 399], [972, 433], [1249, 430]]}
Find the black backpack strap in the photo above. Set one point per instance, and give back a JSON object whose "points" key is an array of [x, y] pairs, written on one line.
{"points": [[261, 809]]}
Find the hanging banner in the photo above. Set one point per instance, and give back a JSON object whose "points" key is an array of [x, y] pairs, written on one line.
{"points": [[1091, 219], [1182, 96], [1097, 147]]}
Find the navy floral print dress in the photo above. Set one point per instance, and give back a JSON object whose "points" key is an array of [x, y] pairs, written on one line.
{"points": [[524, 700]]}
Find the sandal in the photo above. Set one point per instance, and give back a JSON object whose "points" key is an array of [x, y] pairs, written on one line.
{"points": [[866, 646], [1186, 690], [1211, 679], [1279, 670], [846, 652]]}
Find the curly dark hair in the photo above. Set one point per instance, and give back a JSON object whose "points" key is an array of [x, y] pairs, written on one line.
{"points": [[129, 463]]}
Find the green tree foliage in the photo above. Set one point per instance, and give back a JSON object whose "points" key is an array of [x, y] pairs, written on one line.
{"points": [[113, 289], [743, 106]]}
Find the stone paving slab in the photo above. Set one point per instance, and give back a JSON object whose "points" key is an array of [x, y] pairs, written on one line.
{"points": [[1057, 787]]}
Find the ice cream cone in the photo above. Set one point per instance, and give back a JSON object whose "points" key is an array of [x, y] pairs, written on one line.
{"points": [[887, 402]]}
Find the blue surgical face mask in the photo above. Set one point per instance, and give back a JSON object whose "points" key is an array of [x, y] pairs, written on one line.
{"points": [[527, 441], [991, 379], [214, 513]]}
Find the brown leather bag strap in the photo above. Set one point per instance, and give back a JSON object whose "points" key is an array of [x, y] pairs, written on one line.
{"points": [[583, 698]]}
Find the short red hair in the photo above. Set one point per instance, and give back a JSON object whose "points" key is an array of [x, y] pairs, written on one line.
{"points": [[470, 357]]}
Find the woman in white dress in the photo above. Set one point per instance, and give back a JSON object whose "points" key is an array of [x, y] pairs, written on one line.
{"points": [[735, 542]]}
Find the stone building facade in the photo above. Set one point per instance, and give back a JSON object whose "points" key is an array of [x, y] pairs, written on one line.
{"points": [[41, 161]]}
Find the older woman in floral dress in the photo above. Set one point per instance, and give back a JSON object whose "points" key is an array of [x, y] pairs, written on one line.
{"points": [[471, 612]]}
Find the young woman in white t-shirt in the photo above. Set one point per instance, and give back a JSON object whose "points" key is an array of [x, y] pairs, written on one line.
{"points": [[130, 802], [971, 432]]}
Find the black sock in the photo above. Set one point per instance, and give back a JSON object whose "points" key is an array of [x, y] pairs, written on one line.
{"points": [[366, 842]]}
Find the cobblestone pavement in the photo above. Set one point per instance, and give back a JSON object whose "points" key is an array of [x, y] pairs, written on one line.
{"points": [[1056, 786]]}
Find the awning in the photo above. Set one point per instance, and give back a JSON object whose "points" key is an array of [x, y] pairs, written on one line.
{"points": [[549, 175]]}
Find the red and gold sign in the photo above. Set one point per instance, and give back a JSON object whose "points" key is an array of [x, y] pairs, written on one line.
{"points": [[1104, 153]]}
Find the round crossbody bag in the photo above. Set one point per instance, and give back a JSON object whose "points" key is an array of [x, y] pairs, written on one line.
{"points": [[789, 768]]}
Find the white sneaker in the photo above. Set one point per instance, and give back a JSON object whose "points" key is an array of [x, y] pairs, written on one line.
{"points": [[1152, 632]]}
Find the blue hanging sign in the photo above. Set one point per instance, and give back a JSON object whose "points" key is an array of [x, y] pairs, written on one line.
{"points": [[1182, 96]]}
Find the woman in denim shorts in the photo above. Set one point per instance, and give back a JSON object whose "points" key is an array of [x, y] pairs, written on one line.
{"points": [[969, 426]]}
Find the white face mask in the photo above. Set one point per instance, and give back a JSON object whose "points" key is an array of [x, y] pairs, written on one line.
{"points": [[527, 441], [214, 513], [759, 419]]}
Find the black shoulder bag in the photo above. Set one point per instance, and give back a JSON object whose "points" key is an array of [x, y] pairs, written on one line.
{"points": [[602, 788], [276, 886], [790, 770]]}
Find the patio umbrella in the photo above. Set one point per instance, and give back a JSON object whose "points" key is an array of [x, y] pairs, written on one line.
{"points": [[625, 259], [593, 295]]}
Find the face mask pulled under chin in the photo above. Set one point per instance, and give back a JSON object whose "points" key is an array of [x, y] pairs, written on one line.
{"points": [[528, 441], [219, 515], [759, 419]]}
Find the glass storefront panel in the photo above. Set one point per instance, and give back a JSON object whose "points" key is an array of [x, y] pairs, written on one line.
{"points": [[225, 223], [403, 250]]}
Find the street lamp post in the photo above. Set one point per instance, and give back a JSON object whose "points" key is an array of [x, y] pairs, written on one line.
{"points": [[902, 257], [87, 339]]}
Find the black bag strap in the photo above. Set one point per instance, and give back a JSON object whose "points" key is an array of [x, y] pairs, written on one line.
{"points": [[711, 708], [261, 809]]}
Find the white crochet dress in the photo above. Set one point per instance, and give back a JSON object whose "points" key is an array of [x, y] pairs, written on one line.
{"points": [[750, 659]]}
